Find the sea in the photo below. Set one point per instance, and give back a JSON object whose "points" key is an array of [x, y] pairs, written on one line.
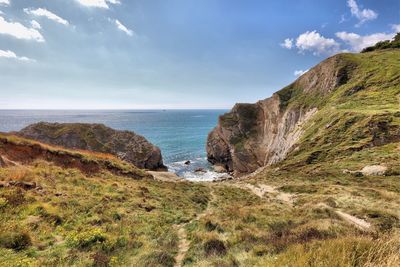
{"points": [[180, 134]]}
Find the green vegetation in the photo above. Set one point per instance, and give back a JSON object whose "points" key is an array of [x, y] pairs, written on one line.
{"points": [[70, 218], [53, 215], [395, 43], [88, 161]]}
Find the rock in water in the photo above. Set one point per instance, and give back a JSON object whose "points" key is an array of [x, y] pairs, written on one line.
{"points": [[126, 145], [220, 168]]}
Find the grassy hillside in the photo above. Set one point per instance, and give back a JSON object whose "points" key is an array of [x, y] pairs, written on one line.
{"points": [[363, 114], [316, 208], [60, 216]]}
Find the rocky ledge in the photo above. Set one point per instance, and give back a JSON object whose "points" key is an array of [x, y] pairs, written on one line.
{"points": [[126, 145]]}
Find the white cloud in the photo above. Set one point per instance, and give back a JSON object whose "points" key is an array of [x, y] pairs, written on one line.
{"points": [[342, 19], [99, 3], [363, 15], [19, 31], [396, 27], [114, 2], [11, 55], [298, 73], [288, 43], [4, 2], [358, 42], [42, 12], [122, 27], [36, 25], [316, 43]]}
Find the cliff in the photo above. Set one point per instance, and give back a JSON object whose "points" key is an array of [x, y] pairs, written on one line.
{"points": [[125, 145], [17, 151], [254, 135]]}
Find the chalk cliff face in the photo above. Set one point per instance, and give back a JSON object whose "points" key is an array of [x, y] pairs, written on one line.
{"points": [[255, 135], [125, 145]]}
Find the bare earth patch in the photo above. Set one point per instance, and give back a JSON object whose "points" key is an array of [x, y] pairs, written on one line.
{"points": [[262, 189], [166, 176], [357, 222], [184, 243]]}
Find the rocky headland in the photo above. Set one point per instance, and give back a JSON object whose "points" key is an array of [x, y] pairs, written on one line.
{"points": [[126, 145], [251, 136]]}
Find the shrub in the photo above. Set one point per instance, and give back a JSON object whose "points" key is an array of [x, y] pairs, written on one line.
{"points": [[15, 240], [100, 260], [395, 43], [214, 247], [210, 226], [53, 219], [3, 202], [159, 258], [200, 199], [86, 239], [14, 197]]}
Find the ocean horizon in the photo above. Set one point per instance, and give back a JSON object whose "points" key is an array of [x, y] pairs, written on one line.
{"points": [[181, 134]]}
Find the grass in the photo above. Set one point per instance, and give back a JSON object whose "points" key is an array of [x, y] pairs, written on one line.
{"points": [[75, 219], [22, 149], [69, 217]]}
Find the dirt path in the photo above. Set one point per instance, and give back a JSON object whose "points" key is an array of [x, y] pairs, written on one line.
{"points": [[262, 189], [183, 246], [357, 222], [184, 243]]}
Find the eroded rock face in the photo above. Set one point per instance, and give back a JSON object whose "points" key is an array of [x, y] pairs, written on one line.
{"points": [[251, 136], [126, 145]]}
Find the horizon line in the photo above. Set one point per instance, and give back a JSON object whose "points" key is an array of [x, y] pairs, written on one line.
{"points": [[113, 109]]}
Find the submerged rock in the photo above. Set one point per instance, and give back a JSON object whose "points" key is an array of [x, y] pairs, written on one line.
{"points": [[125, 145], [220, 169]]}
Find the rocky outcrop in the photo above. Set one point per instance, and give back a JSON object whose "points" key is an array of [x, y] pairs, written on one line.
{"points": [[16, 151], [254, 135], [126, 145]]}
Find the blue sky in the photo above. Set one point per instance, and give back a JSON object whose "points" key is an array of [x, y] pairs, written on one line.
{"points": [[133, 54]]}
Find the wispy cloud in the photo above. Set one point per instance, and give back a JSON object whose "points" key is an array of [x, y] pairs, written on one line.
{"points": [[298, 73], [11, 55], [42, 12], [4, 2], [363, 15], [287, 43], [395, 27], [36, 25], [99, 3], [19, 31], [121, 27], [312, 41]]}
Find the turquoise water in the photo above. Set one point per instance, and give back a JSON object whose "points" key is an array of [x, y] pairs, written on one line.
{"points": [[180, 134]]}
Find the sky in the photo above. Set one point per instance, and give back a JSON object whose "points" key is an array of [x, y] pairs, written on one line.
{"points": [[173, 54]]}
